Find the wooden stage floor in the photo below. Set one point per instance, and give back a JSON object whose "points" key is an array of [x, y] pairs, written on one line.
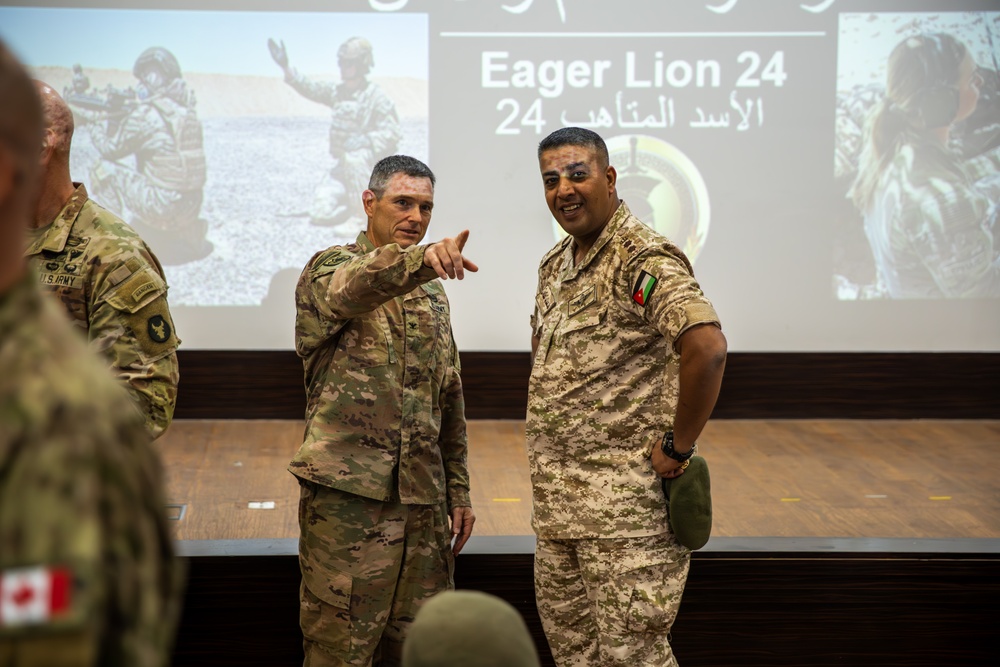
{"points": [[227, 480]]}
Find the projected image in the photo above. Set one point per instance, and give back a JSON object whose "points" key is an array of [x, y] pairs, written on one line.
{"points": [[236, 143], [918, 156]]}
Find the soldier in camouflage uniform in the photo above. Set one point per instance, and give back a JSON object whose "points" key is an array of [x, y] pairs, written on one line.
{"points": [[929, 215], [383, 467], [163, 190], [364, 127], [109, 281], [87, 574], [627, 363]]}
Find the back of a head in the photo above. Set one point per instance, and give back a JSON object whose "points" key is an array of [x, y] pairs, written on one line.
{"points": [[922, 78], [468, 629], [21, 133], [21, 111]]}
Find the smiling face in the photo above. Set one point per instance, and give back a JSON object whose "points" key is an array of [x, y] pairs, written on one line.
{"points": [[579, 190], [403, 212]]}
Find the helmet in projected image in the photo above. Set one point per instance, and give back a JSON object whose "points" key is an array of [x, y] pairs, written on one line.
{"points": [[160, 59], [357, 50], [923, 77]]}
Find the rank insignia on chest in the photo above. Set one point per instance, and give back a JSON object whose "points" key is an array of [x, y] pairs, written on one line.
{"points": [[643, 288], [34, 595]]}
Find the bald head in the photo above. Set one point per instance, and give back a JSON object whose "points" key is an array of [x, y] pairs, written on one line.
{"points": [[58, 120]]}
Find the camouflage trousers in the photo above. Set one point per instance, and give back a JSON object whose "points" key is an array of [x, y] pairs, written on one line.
{"points": [[367, 567], [610, 602], [121, 188]]}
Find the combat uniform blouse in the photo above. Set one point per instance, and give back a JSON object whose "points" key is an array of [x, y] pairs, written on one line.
{"points": [[87, 570], [385, 416], [604, 383], [113, 288]]}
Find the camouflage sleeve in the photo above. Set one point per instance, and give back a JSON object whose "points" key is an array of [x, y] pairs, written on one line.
{"points": [[949, 230], [130, 324], [343, 285], [453, 440], [661, 289], [96, 516], [385, 135], [317, 91], [82, 498], [134, 132], [983, 166]]}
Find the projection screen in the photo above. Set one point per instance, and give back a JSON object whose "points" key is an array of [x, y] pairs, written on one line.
{"points": [[737, 127]]}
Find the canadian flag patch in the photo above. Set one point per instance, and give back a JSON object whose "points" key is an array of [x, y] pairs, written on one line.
{"points": [[34, 595]]}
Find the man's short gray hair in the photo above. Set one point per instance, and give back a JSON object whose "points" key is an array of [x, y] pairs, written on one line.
{"points": [[397, 164]]}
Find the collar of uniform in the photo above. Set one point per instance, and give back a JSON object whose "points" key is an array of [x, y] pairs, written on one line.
{"points": [[54, 239], [365, 244], [571, 270]]}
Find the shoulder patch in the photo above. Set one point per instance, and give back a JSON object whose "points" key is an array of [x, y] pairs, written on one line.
{"points": [[39, 595], [643, 288], [154, 330], [329, 260]]}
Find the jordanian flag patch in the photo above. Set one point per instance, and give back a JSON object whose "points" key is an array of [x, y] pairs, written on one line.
{"points": [[643, 288], [34, 595]]}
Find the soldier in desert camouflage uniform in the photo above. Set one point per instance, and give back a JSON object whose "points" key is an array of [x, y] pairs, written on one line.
{"points": [[627, 363], [87, 575], [163, 190], [929, 216], [383, 466], [364, 127], [109, 281]]}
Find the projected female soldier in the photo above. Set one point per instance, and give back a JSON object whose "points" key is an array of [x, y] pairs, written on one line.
{"points": [[932, 231]]}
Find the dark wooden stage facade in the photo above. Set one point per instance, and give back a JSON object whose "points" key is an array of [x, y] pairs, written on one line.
{"points": [[872, 540]]}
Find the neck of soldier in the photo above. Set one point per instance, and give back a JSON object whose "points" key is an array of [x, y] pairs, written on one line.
{"points": [[57, 188]]}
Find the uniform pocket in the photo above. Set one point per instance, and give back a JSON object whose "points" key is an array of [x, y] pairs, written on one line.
{"points": [[366, 340], [325, 613], [655, 597]]}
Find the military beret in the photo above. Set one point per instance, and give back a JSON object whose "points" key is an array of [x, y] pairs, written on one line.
{"points": [[689, 497], [468, 629]]}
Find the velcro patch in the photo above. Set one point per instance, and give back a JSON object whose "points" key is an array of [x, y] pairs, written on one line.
{"points": [[154, 330], [643, 288], [36, 595]]}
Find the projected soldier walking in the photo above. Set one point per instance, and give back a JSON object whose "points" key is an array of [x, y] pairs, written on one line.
{"points": [[383, 468], [364, 127]]}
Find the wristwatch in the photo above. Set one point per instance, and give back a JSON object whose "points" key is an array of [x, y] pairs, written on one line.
{"points": [[668, 448]]}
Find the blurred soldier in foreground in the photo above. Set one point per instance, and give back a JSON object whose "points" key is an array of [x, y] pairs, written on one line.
{"points": [[109, 281], [87, 574], [364, 128], [469, 629], [383, 468], [163, 190], [627, 362]]}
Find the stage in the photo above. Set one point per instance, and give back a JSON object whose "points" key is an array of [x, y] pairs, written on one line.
{"points": [[862, 542]]}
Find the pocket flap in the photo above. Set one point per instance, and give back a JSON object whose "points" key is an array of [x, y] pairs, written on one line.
{"points": [[136, 291], [584, 320], [331, 586]]}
